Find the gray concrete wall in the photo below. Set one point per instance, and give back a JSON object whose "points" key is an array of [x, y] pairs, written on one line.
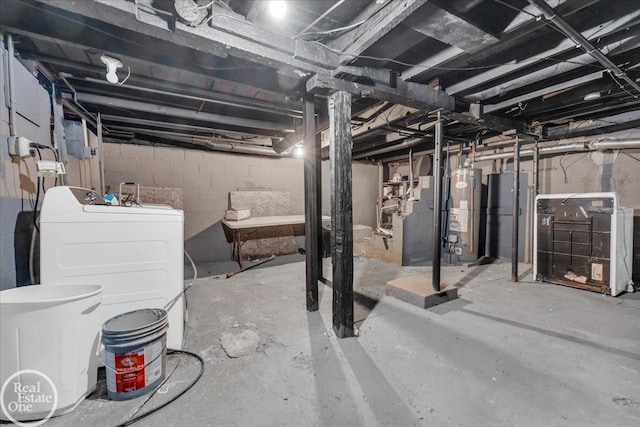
{"points": [[18, 180], [208, 177], [365, 191]]}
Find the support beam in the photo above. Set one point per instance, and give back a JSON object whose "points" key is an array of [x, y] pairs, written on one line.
{"points": [[181, 112], [341, 212], [380, 19], [414, 95], [231, 36], [515, 210], [312, 163], [437, 206]]}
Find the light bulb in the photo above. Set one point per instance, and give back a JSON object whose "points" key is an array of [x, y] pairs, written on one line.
{"points": [[112, 65], [278, 8], [112, 77], [591, 96], [299, 151]]}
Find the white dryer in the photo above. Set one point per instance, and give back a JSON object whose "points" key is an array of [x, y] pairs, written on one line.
{"points": [[135, 252]]}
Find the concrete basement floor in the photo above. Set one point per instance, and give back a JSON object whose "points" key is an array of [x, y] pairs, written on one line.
{"points": [[503, 354]]}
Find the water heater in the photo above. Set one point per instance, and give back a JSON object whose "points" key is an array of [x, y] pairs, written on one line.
{"points": [[464, 214]]}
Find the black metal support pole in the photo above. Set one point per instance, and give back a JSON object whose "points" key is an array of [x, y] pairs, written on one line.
{"points": [[318, 156], [437, 204], [341, 212], [536, 190], [536, 169], [515, 211], [311, 165]]}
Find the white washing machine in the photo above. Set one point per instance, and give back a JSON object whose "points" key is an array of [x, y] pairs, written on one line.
{"points": [[135, 252]]}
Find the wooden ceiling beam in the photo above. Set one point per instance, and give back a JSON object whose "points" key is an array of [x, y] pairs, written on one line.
{"points": [[379, 20]]}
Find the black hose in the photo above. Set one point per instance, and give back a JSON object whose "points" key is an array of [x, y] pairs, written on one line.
{"points": [[146, 414]]}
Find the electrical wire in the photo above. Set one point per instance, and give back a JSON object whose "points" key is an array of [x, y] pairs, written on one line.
{"points": [[170, 351], [334, 30], [632, 156], [35, 206], [173, 399], [436, 67]]}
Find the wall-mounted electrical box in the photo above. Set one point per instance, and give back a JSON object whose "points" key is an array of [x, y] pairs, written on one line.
{"points": [[583, 240]]}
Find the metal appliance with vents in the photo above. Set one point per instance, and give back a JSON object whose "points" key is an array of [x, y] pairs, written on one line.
{"points": [[584, 241]]}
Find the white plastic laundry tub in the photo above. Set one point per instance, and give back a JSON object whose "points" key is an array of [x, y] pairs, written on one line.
{"points": [[49, 337]]}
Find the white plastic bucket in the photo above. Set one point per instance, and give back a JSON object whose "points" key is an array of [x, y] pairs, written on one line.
{"points": [[135, 352], [53, 331]]}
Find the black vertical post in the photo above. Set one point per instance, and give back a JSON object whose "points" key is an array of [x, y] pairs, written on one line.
{"points": [[515, 211], [536, 169], [318, 156], [311, 231], [341, 212], [437, 205], [536, 190]]}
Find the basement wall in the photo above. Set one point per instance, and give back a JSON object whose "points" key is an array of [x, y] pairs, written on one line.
{"points": [[18, 180], [581, 172], [207, 178]]}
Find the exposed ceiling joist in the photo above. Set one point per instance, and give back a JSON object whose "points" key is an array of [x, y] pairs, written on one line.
{"points": [[380, 19], [231, 36], [507, 40], [450, 29], [12, 22], [566, 45], [182, 112], [541, 92]]}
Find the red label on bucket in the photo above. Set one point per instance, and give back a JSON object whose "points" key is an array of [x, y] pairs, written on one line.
{"points": [[129, 371], [134, 370]]}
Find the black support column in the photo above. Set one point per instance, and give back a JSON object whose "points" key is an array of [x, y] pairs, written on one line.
{"points": [[312, 233], [437, 206], [515, 211], [341, 212]]}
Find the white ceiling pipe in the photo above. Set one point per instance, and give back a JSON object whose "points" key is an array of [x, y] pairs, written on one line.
{"points": [[615, 145], [566, 148]]}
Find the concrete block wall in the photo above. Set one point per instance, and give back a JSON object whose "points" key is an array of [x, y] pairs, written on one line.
{"points": [[207, 178], [18, 179]]}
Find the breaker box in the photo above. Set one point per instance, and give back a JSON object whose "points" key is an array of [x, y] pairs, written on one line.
{"points": [[583, 240]]}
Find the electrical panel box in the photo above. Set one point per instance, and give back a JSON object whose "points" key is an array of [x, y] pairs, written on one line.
{"points": [[584, 241]]}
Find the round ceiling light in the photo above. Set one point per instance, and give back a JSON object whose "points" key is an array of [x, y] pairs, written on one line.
{"points": [[591, 96], [278, 8]]}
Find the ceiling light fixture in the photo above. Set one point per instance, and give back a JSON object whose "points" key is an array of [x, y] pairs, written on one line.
{"points": [[591, 96], [299, 151], [278, 8], [112, 66]]}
